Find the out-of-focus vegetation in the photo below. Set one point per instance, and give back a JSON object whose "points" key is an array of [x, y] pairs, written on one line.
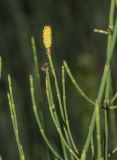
{"points": [[74, 41]]}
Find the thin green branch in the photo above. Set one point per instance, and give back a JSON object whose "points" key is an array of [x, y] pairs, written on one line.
{"points": [[76, 85], [102, 86], [67, 135], [112, 107], [14, 119], [107, 101], [37, 73], [35, 57], [53, 111], [55, 116], [65, 110], [114, 38], [92, 148], [110, 48], [98, 132], [112, 152], [37, 81], [39, 121], [89, 136], [106, 135], [56, 84], [114, 98], [68, 141]]}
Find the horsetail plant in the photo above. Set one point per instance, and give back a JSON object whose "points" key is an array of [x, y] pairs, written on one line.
{"points": [[103, 103], [110, 47], [33, 97], [14, 119], [98, 102], [47, 37], [65, 132]]}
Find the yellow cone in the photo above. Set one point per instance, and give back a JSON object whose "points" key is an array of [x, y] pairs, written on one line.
{"points": [[47, 37]]}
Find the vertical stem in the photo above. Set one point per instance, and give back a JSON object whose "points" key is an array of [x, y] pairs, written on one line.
{"points": [[110, 49], [68, 141], [89, 136], [106, 135], [107, 101], [56, 84], [39, 121], [35, 57], [99, 151], [54, 113], [107, 91], [14, 119], [55, 116], [92, 148], [37, 81], [36, 69], [65, 110]]}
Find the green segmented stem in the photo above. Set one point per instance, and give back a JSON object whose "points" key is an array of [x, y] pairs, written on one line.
{"points": [[65, 111], [107, 101], [114, 37], [106, 135], [113, 152], [111, 37], [37, 73], [110, 49], [39, 121], [57, 88], [89, 136], [37, 81], [54, 115], [68, 141], [114, 98], [67, 131], [111, 40], [112, 107], [92, 148], [36, 65], [99, 151], [56, 84], [14, 119], [0, 67], [35, 57], [76, 85]]}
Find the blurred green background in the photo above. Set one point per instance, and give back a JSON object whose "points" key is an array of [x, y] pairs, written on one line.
{"points": [[73, 40]]}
